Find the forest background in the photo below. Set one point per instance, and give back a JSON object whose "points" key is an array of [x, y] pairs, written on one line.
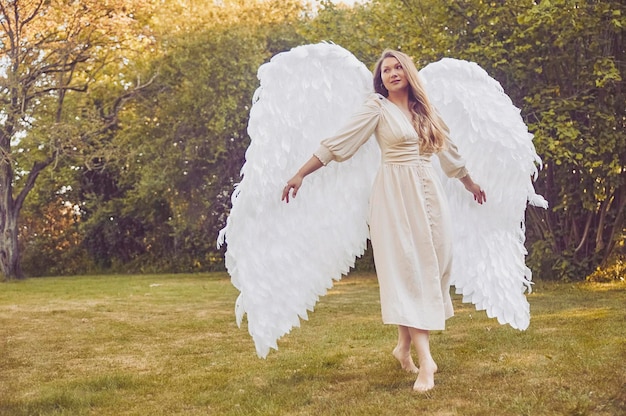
{"points": [[123, 126]]}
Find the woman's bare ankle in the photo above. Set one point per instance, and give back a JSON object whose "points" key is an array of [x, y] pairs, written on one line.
{"points": [[405, 359]]}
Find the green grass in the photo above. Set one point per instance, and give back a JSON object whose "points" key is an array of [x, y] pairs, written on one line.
{"points": [[168, 345]]}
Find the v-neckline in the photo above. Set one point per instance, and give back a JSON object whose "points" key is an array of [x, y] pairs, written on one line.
{"points": [[404, 116]]}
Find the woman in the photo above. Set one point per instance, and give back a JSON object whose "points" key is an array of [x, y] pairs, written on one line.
{"points": [[408, 219]]}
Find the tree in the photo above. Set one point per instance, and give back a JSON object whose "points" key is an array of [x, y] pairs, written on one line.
{"points": [[563, 63], [50, 52], [49, 234], [185, 137], [576, 105]]}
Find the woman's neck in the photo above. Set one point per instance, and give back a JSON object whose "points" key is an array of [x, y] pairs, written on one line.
{"points": [[399, 98]]}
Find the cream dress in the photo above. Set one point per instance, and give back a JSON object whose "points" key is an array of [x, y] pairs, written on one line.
{"points": [[408, 216]]}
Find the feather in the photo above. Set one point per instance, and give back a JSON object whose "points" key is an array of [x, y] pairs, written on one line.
{"points": [[489, 266], [281, 257]]}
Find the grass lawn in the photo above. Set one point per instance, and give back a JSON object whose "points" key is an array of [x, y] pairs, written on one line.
{"points": [[169, 345]]}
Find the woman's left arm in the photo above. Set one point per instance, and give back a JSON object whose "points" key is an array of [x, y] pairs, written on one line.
{"points": [[474, 188], [453, 165]]}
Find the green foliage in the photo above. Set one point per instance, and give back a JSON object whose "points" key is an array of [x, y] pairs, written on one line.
{"points": [[157, 188], [576, 106], [563, 63], [52, 52], [185, 140]]}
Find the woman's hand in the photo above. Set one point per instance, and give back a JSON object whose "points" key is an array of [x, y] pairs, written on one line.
{"points": [[293, 183], [475, 189]]}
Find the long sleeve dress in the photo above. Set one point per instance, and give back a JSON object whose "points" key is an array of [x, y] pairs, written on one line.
{"points": [[408, 215]]}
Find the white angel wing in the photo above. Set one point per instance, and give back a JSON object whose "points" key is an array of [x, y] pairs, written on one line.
{"points": [[283, 257], [489, 267]]}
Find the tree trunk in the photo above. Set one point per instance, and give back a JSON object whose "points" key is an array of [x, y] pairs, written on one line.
{"points": [[9, 250]]}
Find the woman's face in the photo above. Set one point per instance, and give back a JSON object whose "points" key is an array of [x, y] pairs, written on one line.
{"points": [[393, 75]]}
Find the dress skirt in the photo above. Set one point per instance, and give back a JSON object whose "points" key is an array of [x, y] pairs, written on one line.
{"points": [[412, 242]]}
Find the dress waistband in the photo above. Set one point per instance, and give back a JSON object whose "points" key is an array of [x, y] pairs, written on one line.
{"points": [[404, 158]]}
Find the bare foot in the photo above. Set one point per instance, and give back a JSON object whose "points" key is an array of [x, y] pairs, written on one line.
{"points": [[426, 378], [406, 361]]}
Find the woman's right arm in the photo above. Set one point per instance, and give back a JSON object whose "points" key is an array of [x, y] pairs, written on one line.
{"points": [[295, 182], [342, 145]]}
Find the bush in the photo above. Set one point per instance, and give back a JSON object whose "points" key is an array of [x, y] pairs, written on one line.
{"points": [[615, 271]]}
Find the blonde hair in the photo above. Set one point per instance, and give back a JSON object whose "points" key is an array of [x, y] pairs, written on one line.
{"points": [[431, 129]]}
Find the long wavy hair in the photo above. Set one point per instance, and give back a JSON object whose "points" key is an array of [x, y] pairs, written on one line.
{"points": [[431, 129]]}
